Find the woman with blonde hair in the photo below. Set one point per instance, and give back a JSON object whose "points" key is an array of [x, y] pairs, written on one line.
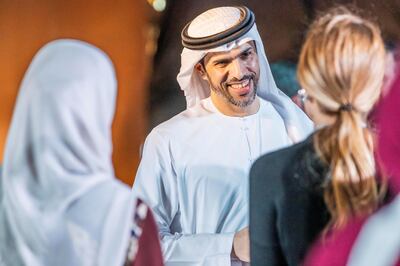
{"points": [[321, 183]]}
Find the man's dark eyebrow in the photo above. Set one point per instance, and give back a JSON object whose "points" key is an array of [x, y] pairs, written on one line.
{"points": [[221, 61], [227, 60], [246, 50]]}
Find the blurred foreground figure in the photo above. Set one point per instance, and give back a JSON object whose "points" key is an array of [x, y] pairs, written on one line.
{"points": [[194, 170], [323, 182], [60, 201], [374, 240]]}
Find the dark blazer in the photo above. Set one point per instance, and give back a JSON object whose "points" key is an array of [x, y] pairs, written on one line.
{"points": [[287, 209]]}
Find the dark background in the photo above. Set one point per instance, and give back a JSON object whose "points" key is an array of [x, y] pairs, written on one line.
{"points": [[281, 24], [145, 48]]}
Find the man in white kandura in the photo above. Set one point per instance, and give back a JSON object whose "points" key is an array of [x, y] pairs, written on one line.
{"points": [[194, 170]]}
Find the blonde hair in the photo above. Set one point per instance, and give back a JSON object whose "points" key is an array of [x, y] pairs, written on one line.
{"points": [[341, 66]]}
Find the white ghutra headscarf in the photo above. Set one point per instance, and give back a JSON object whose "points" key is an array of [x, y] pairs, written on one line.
{"points": [[216, 20], [60, 202]]}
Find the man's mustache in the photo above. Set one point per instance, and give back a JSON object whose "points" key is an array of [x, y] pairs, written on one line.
{"points": [[237, 81]]}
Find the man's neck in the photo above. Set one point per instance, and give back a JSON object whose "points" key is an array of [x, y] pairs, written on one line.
{"points": [[230, 109]]}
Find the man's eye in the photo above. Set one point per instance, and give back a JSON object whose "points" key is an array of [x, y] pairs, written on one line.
{"points": [[221, 64], [246, 54]]}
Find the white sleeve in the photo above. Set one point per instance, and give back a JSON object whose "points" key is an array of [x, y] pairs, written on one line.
{"points": [[156, 185]]}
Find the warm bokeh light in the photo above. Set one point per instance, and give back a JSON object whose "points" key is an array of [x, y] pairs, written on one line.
{"points": [[124, 30]]}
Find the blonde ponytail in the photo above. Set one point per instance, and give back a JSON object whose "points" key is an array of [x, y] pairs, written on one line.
{"points": [[342, 66], [347, 147]]}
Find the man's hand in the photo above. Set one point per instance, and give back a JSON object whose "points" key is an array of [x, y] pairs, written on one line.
{"points": [[241, 245]]}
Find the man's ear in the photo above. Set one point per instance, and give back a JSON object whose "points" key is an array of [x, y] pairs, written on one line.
{"points": [[200, 69]]}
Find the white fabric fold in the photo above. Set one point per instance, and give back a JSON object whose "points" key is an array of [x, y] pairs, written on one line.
{"points": [[298, 125], [60, 202], [194, 170], [194, 176]]}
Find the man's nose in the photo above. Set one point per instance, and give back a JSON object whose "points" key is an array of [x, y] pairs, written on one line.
{"points": [[237, 69]]}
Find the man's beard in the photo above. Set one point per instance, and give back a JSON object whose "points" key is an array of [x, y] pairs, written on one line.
{"points": [[223, 90]]}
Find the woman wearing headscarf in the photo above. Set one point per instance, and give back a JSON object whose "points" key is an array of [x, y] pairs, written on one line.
{"points": [[298, 192], [60, 201], [375, 239]]}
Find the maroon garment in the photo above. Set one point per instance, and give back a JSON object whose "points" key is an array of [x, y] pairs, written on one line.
{"points": [[145, 248], [336, 248], [389, 135], [149, 248]]}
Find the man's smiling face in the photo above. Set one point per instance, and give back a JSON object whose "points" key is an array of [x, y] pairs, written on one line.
{"points": [[233, 75]]}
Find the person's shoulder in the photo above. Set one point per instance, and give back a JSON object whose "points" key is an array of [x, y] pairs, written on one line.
{"points": [[268, 174], [180, 125], [266, 108], [270, 167], [281, 157], [183, 120]]}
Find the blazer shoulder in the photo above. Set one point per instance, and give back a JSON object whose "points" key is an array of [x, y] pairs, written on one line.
{"points": [[269, 174], [279, 159]]}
